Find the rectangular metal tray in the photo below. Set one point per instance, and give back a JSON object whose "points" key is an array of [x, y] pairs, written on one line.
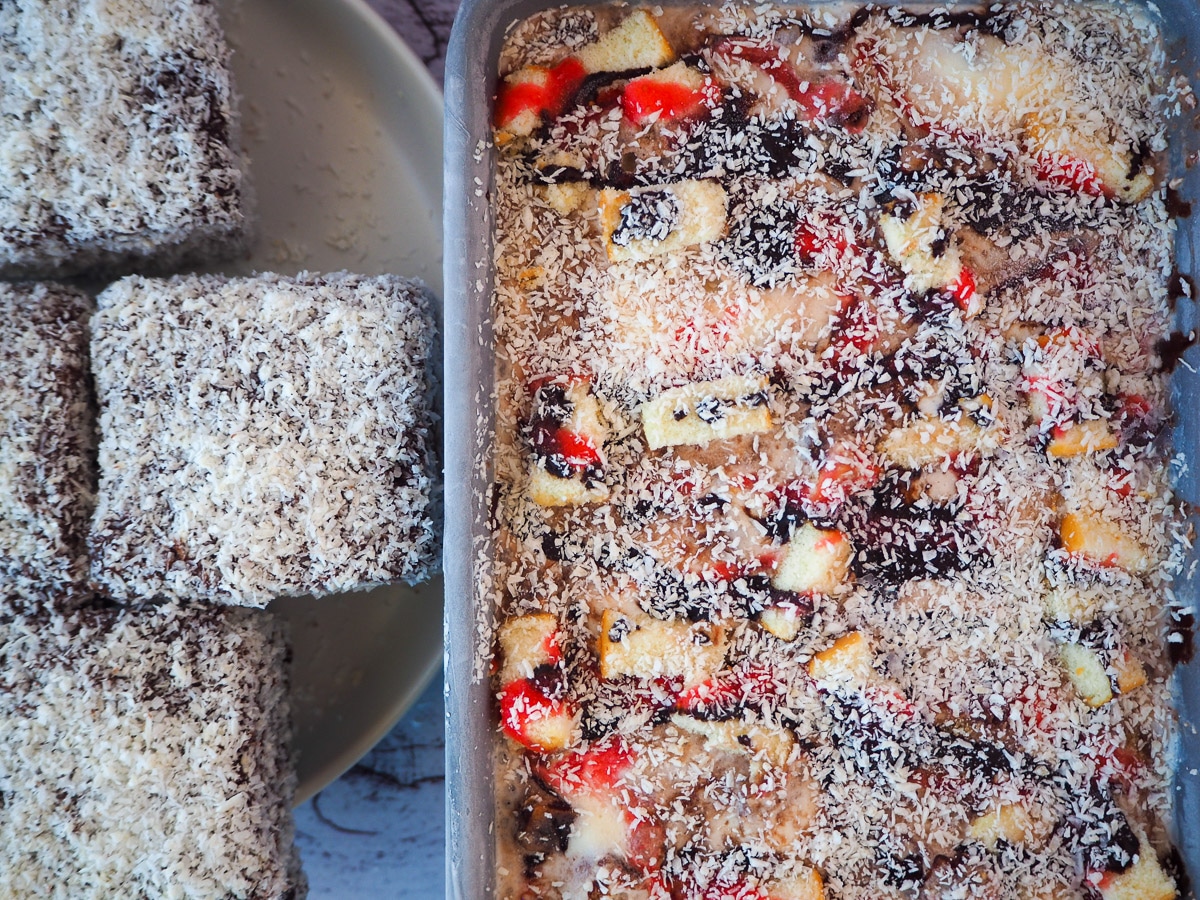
{"points": [[470, 85]]}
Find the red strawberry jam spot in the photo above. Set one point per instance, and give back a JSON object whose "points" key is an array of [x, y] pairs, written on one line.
{"points": [[551, 649], [769, 560], [1134, 410], [855, 332], [1135, 406], [596, 769], [720, 570], [1118, 762], [730, 316], [565, 78], [964, 288], [645, 97], [577, 449], [1120, 481], [723, 695], [555, 441], [892, 700], [686, 333], [1128, 765], [523, 703], [832, 101], [1135, 420], [515, 99], [829, 542], [838, 480], [826, 237], [744, 480], [766, 57], [1069, 172], [548, 96], [716, 697], [1054, 395], [1039, 712]]}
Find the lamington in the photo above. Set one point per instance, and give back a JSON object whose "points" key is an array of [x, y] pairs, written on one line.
{"points": [[47, 474], [262, 436], [118, 138], [144, 753]]}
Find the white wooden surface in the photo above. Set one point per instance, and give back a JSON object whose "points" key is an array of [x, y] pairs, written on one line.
{"points": [[379, 830]]}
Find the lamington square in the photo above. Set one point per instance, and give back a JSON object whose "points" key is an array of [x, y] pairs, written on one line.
{"points": [[262, 436], [117, 138], [47, 475], [144, 753]]}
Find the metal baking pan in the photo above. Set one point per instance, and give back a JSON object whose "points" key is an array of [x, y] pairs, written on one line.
{"points": [[470, 85]]}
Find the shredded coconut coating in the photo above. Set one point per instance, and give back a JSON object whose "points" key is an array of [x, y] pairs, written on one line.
{"points": [[118, 138], [47, 475], [262, 436], [144, 753]]}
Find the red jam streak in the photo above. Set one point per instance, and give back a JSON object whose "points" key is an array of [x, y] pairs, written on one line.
{"points": [[646, 97], [724, 695], [1069, 172], [546, 97], [551, 648], [855, 333], [596, 769], [522, 704], [827, 238], [964, 288], [837, 102], [556, 442]]}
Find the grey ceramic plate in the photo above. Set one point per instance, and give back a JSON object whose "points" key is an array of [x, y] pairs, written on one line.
{"points": [[343, 128]]}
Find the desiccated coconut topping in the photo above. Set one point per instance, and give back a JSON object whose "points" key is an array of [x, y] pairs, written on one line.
{"points": [[262, 436], [144, 754], [47, 475], [118, 138], [832, 532]]}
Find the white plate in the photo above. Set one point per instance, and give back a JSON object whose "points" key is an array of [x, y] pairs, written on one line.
{"points": [[343, 129]]}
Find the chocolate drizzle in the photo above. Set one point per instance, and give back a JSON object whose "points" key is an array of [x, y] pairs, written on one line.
{"points": [[1176, 205], [993, 20], [1170, 350], [1180, 286], [1181, 637]]}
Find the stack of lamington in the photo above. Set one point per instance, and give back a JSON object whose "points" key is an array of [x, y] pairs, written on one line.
{"points": [[170, 453]]}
